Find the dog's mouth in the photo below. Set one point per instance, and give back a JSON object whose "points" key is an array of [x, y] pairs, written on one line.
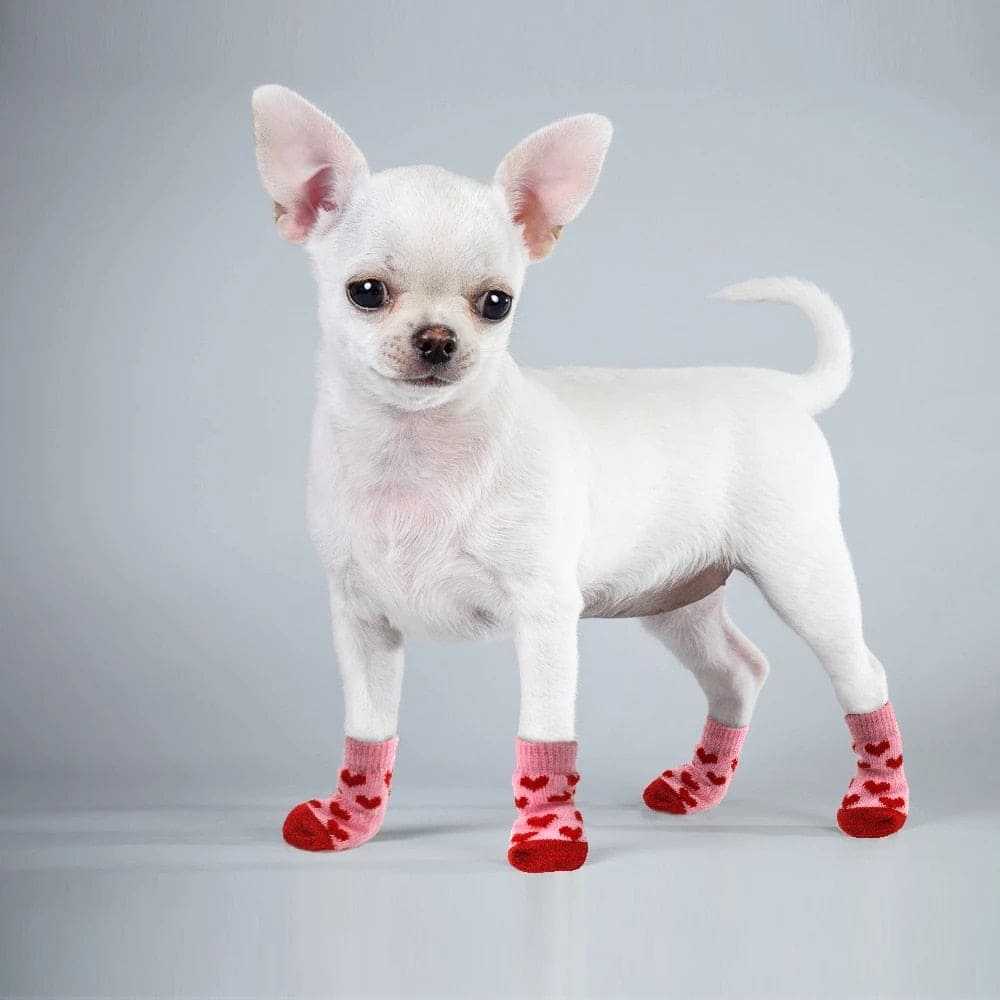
{"points": [[428, 381]]}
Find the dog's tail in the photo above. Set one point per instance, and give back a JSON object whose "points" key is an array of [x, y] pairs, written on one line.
{"points": [[821, 386]]}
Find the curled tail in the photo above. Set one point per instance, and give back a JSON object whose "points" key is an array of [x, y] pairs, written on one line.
{"points": [[821, 386]]}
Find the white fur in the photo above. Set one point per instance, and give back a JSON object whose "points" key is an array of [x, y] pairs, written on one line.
{"points": [[509, 501]]}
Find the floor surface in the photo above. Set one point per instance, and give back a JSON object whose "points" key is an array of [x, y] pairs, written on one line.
{"points": [[747, 901]]}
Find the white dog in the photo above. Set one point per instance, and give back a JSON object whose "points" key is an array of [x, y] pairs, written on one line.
{"points": [[453, 494]]}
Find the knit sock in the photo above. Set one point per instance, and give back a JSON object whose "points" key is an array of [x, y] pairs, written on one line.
{"points": [[704, 780], [548, 834], [877, 798], [355, 813]]}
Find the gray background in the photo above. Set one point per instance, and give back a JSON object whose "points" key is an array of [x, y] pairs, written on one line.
{"points": [[163, 624]]}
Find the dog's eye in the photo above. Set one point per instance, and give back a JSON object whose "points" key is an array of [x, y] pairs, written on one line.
{"points": [[368, 293], [493, 304]]}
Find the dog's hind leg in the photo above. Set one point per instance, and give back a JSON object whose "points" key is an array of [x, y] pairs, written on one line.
{"points": [[805, 572], [731, 672]]}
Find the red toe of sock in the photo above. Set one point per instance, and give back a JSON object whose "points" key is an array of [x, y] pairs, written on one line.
{"points": [[661, 797], [870, 822], [303, 830], [548, 855]]}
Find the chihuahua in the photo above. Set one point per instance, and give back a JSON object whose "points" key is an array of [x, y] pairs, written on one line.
{"points": [[455, 495]]}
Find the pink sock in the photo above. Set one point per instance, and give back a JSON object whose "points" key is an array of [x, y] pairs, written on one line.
{"points": [[704, 780], [355, 813], [548, 834], [877, 798]]}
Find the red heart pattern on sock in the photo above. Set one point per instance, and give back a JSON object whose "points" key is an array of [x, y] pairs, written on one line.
{"points": [[336, 809], [699, 786], [337, 823], [879, 807], [337, 830], [548, 834], [541, 821], [687, 798], [534, 784]]}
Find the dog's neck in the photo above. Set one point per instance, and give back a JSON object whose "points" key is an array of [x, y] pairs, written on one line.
{"points": [[453, 444]]}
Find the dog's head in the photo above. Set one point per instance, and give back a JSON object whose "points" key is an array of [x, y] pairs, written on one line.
{"points": [[418, 269]]}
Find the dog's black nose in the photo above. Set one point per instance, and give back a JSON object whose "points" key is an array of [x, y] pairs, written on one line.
{"points": [[435, 344]]}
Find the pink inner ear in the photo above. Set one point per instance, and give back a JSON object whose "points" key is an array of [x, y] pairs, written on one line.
{"points": [[314, 194], [529, 215], [317, 191], [539, 232]]}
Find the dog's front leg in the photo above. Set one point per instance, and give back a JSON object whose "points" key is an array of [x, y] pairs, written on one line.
{"points": [[548, 833], [370, 653]]}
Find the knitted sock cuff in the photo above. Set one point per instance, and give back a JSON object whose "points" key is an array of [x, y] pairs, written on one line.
{"points": [[723, 739], [545, 758], [366, 757], [873, 725]]}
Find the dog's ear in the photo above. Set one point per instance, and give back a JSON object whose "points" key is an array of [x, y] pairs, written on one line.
{"points": [[307, 162], [550, 176]]}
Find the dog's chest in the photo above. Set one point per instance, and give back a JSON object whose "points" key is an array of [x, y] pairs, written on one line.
{"points": [[421, 570], [403, 534]]}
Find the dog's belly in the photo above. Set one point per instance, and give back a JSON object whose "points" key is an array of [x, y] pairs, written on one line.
{"points": [[466, 603], [467, 606], [605, 603]]}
